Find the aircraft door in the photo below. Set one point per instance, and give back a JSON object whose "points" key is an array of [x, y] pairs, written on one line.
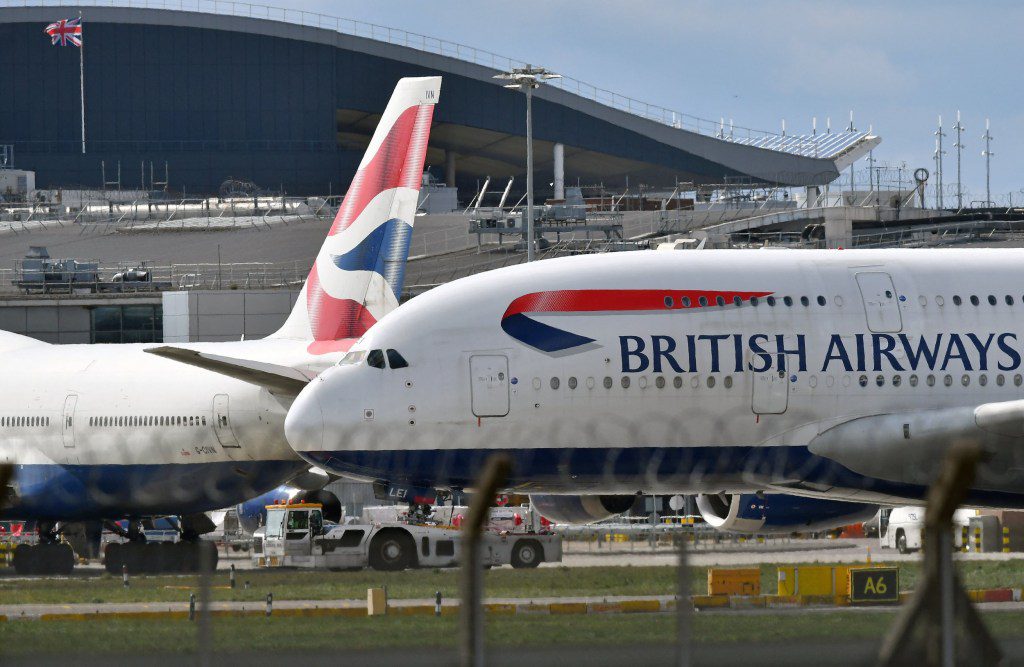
{"points": [[489, 386], [68, 421], [222, 422], [881, 305], [771, 392]]}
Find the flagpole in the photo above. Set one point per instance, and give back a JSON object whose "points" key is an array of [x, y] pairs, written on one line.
{"points": [[81, 78]]}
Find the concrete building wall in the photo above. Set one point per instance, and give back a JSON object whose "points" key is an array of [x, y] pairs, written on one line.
{"points": [[224, 315], [71, 321]]}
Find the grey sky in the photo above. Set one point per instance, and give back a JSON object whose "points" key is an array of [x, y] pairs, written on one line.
{"points": [[897, 65]]}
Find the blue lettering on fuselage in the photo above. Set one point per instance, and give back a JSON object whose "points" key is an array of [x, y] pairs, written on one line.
{"points": [[763, 352]]}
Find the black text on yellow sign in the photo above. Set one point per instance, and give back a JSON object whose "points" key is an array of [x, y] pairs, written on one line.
{"points": [[874, 585]]}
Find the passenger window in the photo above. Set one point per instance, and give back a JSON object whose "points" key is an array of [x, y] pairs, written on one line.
{"points": [[375, 358], [625, 382], [554, 383], [804, 301], [703, 301], [753, 301], [711, 381], [1009, 300], [821, 300], [974, 300], [607, 383], [913, 380], [736, 301], [728, 381], [788, 300], [396, 360], [572, 383], [770, 300], [669, 302], [991, 300], [686, 302], [677, 382], [957, 300], [863, 380], [659, 382]]}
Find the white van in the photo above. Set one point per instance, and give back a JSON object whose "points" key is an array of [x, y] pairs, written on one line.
{"points": [[906, 525]]}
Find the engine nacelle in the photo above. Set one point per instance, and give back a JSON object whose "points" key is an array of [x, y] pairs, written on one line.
{"points": [[778, 513], [581, 509]]}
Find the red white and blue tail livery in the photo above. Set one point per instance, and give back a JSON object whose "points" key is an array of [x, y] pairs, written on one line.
{"points": [[357, 277]]}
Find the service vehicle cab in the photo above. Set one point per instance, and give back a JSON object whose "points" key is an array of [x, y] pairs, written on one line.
{"points": [[295, 535]]}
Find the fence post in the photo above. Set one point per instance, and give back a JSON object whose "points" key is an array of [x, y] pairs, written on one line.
{"points": [[471, 644]]}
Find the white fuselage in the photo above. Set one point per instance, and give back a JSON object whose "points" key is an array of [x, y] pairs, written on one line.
{"points": [[608, 374], [109, 430]]}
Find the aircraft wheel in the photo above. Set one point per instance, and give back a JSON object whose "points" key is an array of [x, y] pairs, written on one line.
{"points": [[24, 559], [113, 557]]}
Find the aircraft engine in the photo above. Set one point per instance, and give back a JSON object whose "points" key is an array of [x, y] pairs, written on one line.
{"points": [[778, 513], [581, 509]]}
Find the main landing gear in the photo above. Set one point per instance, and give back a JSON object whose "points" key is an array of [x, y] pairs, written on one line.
{"points": [[141, 557], [49, 556]]}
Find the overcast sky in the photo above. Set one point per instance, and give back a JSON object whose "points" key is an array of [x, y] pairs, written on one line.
{"points": [[896, 65]]}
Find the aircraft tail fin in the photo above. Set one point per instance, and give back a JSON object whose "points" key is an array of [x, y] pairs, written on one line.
{"points": [[358, 274]]}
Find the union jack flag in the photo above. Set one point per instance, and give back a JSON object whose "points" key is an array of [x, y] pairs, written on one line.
{"points": [[66, 31]]}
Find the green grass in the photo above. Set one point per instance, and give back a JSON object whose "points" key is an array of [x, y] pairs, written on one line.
{"points": [[500, 582], [277, 634]]}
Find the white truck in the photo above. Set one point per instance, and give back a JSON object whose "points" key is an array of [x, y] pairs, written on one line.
{"points": [[906, 526], [295, 535]]}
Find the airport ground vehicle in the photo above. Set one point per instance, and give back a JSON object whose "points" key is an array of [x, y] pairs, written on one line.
{"points": [[296, 536], [906, 526]]}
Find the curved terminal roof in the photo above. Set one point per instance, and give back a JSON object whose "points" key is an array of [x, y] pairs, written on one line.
{"points": [[608, 138]]}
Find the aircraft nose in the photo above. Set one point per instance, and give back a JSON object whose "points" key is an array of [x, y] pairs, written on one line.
{"points": [[304, 423]]}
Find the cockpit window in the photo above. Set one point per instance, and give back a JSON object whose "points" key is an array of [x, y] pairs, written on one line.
{"points": [[396, 360], [352, 358], [375, 358]]}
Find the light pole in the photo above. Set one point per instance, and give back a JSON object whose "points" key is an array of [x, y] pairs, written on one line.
{"points": [[959, 127], [526, 79], [987, 153]]}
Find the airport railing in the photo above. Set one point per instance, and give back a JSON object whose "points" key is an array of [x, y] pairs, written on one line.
{"points": [[101, 215], [168, 277]]}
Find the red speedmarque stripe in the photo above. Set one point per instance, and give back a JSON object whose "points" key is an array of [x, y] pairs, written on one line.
{"points": [[589, 301]]}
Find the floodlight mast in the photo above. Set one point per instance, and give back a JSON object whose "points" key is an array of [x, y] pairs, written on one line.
{"points": [[526, 79]]}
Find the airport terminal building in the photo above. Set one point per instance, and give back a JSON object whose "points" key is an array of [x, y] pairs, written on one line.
{"points": [[288, 100]]}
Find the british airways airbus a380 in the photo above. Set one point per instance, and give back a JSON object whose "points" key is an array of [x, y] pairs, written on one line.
{"points": [[824, 375], [105, 432]]}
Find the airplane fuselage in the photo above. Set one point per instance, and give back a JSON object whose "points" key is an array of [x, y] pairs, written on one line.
{"points": [[102, 431], [844, 373]]}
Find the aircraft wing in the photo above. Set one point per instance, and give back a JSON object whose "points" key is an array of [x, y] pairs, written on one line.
{"points": [[282, 380]]}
